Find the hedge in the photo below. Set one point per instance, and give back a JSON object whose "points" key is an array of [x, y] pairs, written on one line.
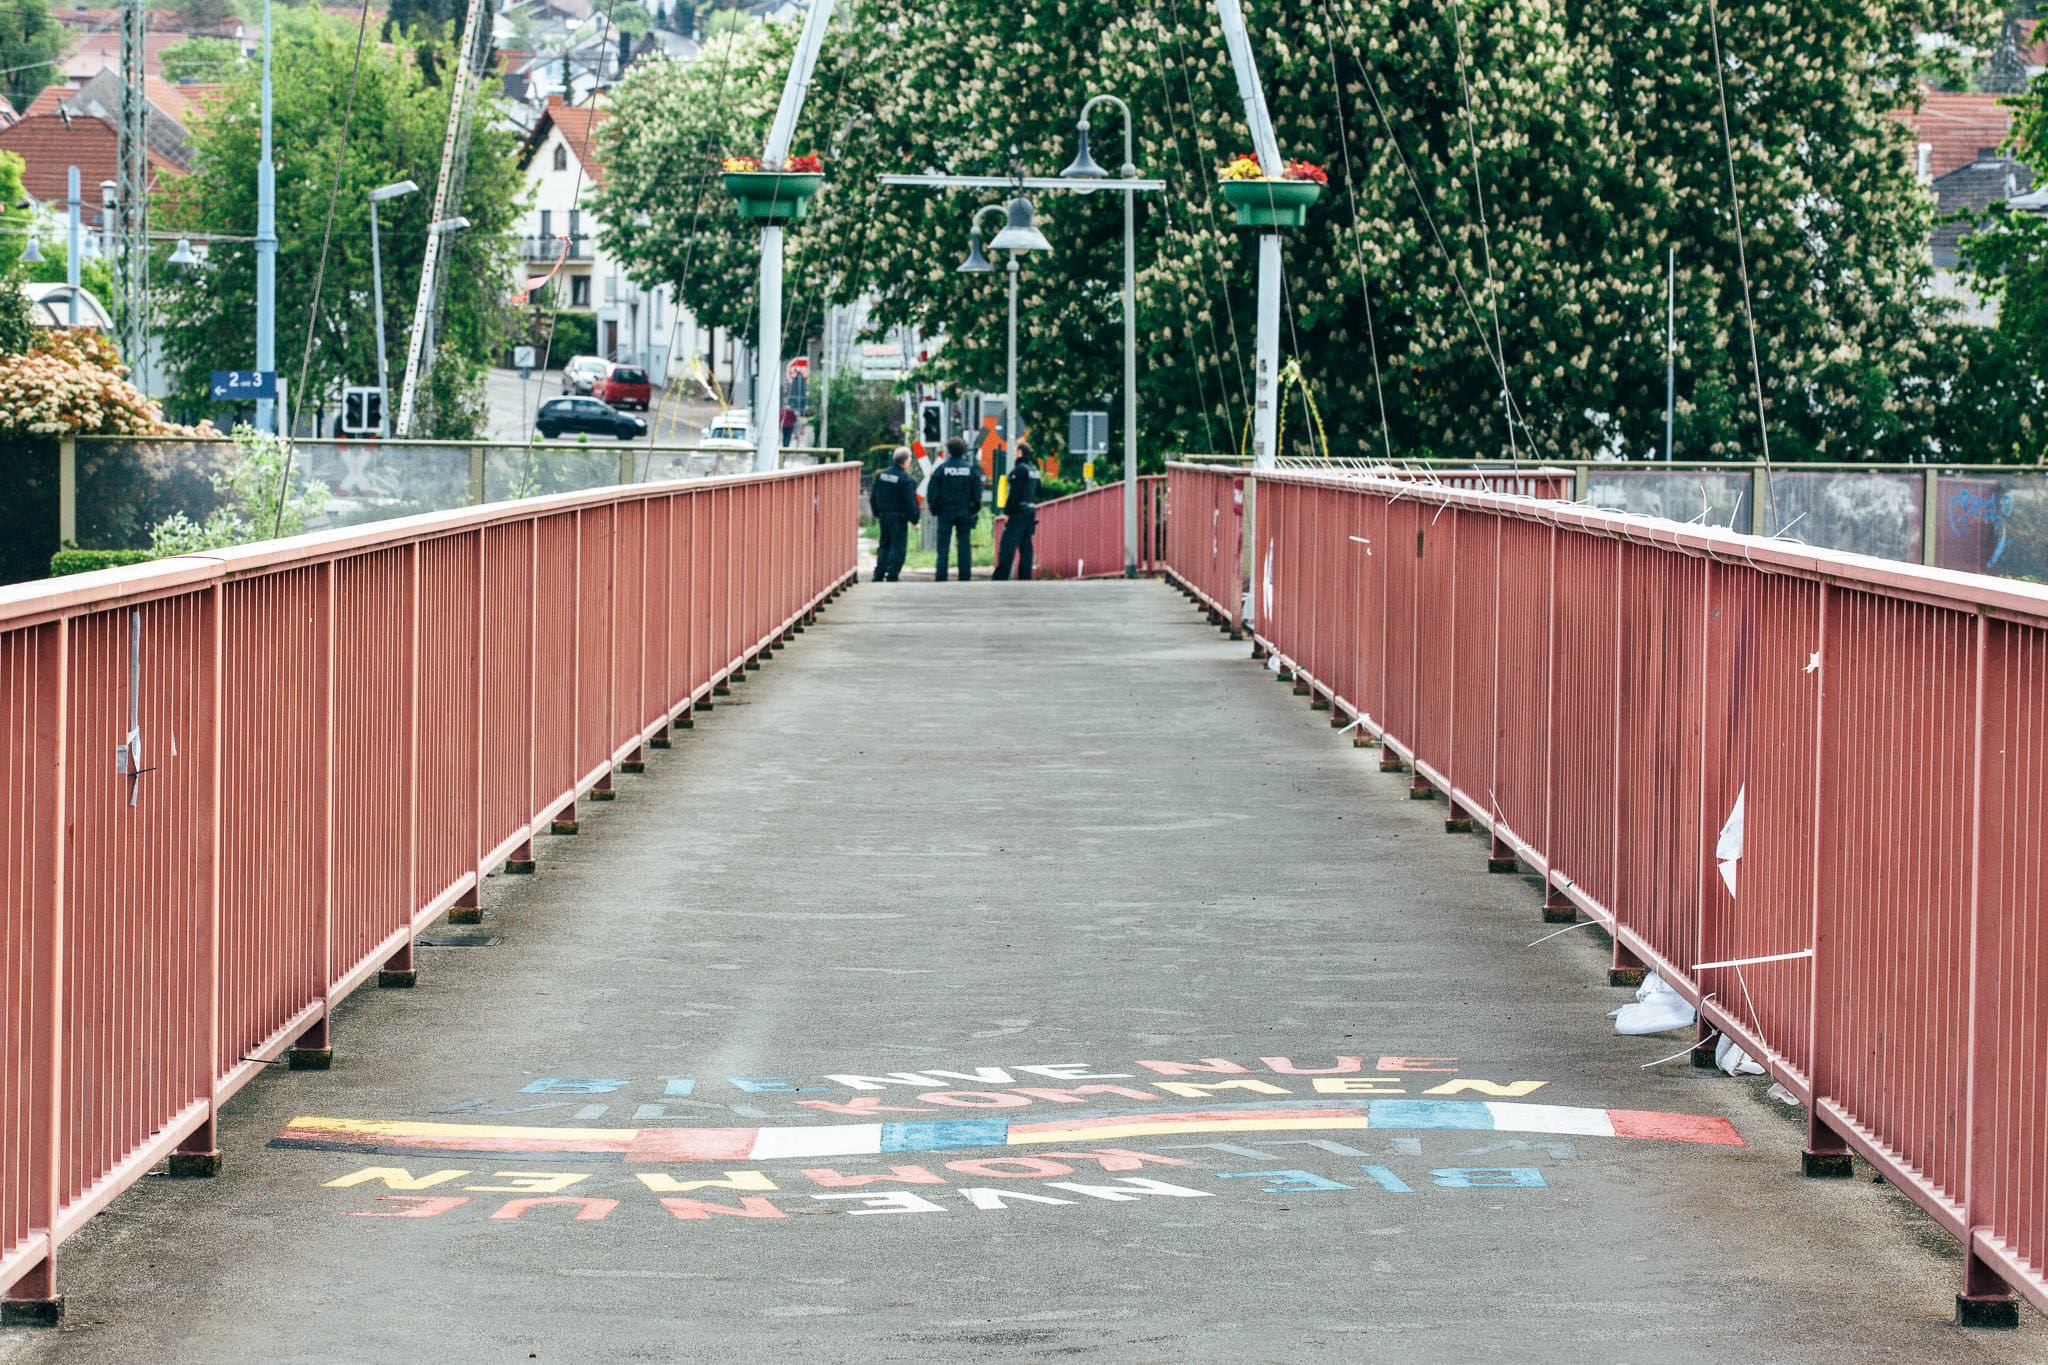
{"points": [[72, 561]]}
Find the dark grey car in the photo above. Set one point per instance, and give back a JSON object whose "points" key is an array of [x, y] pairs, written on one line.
{"points": [[585, 416]]}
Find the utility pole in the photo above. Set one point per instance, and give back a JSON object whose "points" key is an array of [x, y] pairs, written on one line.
{"points": [[454, 151], [266, 246], [1265, 400], [768, 369], [128, 244]]}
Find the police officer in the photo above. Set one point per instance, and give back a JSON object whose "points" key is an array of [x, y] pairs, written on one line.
{"points": [[893, 497], [1022, 510], [954, 495]]}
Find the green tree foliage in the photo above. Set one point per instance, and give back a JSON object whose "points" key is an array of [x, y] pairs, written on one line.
{"points": [[395, 133], [1506, 180], [2008, 262], [671, 123], [207, 60], [408, 16], [206, 16], [30, 44]]}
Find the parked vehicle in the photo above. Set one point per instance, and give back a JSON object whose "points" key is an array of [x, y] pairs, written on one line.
{"points": [[730, 430], [582, 372], [624, 386], [585, 416]]}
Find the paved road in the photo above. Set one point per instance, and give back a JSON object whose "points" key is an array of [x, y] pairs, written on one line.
{"points": [[858, 950], [513, 401]]}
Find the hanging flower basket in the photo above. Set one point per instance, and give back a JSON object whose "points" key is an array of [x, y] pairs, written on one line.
{"points": [[1261, 202], [782, 196]]}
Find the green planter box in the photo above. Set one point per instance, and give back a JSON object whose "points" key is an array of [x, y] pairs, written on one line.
{"points": [[773, 196], [1271, 203]]}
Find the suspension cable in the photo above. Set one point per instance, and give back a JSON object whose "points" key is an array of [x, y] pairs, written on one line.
{"points": [[1742, 255], [1457, 9], [1357, 257], [1443, 249]]}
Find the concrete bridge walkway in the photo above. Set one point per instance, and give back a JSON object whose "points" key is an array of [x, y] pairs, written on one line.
{"points": [[928, 950]]}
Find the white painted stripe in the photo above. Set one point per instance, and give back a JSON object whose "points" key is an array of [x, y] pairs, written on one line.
{"points": [[1550, 1118], [838, 1139]]}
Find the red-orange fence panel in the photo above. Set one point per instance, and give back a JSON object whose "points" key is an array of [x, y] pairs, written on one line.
{"points": [[1808, 788], [1082, 534], [234, 787]]}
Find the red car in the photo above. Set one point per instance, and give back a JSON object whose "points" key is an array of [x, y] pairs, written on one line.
{"points": [[624, 386]]}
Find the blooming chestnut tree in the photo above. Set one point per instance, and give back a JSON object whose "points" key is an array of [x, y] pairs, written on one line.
{"points": [[1485, 273]]}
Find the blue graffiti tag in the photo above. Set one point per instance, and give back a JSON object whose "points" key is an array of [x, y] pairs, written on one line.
{"points": [[1966, 509]]}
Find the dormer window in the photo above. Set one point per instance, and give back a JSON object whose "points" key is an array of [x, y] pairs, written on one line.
{"points": [[561, 157]]}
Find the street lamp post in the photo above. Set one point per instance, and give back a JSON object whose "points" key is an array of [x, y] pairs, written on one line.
{"points": [[378, 196], [1084, 168], [1019, 235], [1077, 179], [72, 265], [267, 418]]}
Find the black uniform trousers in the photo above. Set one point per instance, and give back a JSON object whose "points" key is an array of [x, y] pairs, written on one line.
{"points": [[1017, 533], [889, 554], [949, 528]]}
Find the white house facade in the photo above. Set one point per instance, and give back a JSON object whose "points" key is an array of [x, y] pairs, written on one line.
{"points": [[561, 241]]}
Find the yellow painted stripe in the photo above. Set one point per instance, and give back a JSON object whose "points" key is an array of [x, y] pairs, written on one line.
{"points": [[1158, 1127], [399, 1128]]}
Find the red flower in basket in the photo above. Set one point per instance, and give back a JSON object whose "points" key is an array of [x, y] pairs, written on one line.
{"points": [[1306, 170], [812, 164]]}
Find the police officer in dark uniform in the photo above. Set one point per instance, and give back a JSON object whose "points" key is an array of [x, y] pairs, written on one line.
{"points": [[1022, 510], [954, 495], [893, 496]]}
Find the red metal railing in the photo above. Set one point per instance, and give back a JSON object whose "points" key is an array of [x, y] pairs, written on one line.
{"points": [[309, 720], [1204, 538], [1082, 534], [1604, 692]]}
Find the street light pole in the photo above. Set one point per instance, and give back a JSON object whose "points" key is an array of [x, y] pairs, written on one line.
{"points": [[377, 195], [377, 289], [1084, 168], [71, 262], [266, 245]]}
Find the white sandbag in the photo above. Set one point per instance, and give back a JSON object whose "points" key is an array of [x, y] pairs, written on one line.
{"points": [[1657, 1009], [1734, 1060]]}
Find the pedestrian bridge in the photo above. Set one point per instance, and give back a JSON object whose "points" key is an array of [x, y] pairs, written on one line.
{"points": [[1023, 969]]}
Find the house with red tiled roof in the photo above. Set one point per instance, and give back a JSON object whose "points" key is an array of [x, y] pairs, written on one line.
{"points": [[562, 243], [1959, 155], [49, 144]]}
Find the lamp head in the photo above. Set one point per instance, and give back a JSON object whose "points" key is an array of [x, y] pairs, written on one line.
{"points": [[183, 255], [975, 262], [1020, 233], [33, 255], [1084, 166], [383, 192]]}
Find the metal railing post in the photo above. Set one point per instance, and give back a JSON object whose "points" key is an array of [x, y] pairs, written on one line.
{"points": [[1930, 515], [67, 491], [478, 492]]}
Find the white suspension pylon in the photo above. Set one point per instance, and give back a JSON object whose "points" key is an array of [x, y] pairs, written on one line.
{"points": [[768, 354], [1266, 376]]}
